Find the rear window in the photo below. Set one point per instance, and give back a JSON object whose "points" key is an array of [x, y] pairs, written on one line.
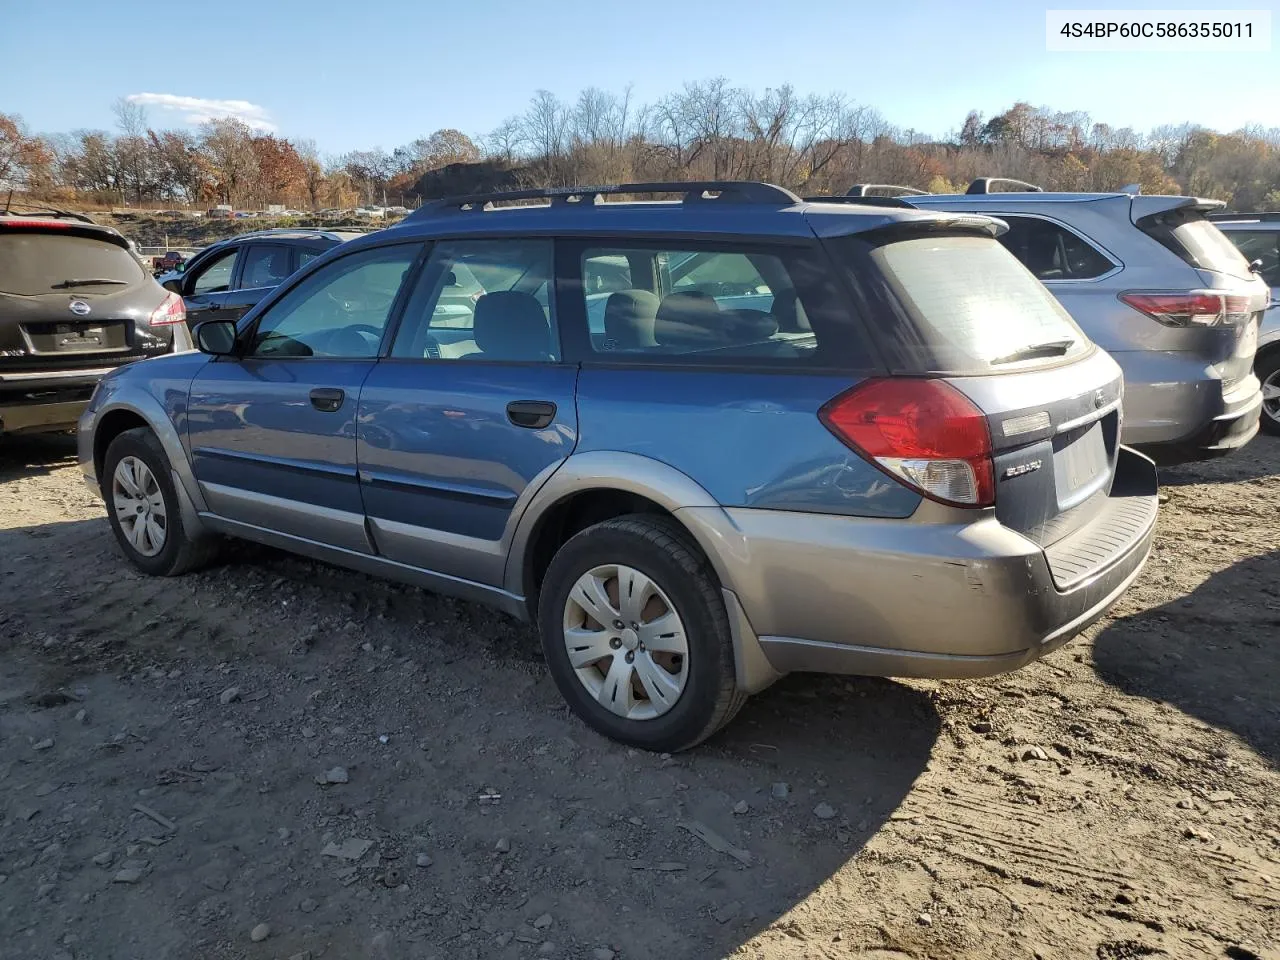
{"points": [[966, 306], [1197, 241], [35, 263]]}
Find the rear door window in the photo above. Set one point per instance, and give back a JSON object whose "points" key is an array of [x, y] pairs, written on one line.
{"points": [[33, 263], [963, 305], [685, 303], [265, 265], [1051, 251]]}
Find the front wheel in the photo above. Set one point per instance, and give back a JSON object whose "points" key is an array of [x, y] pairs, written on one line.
{"points": [[1267, 367], [142, 507], [636, 635]]}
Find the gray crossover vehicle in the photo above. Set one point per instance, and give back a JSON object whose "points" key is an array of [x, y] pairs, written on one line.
{"points": [[1257, 235], [805, 436], [1152, 281], [74, 304]]}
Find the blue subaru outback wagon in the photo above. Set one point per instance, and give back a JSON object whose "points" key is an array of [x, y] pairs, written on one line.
{"points": [[700, 442]]}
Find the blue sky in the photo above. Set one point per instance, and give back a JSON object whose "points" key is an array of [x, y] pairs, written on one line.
{"points": [[356, 75]]}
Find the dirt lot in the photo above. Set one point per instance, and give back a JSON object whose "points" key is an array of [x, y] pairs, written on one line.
{"points": [[161, 741]]}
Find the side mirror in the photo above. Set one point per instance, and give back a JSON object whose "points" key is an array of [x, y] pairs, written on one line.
{"points": [[181, 267], [216, 337], [450, 279], [173, 286]]}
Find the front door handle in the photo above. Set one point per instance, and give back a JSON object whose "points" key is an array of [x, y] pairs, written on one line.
{"points": [[327, 399], [534, 414]]}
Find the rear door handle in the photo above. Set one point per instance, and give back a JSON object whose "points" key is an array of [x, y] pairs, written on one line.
{"points": [[327, 399], [534, 414]]}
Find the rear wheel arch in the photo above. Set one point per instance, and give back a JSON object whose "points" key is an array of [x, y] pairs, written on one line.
{"points": [[576, 511]]}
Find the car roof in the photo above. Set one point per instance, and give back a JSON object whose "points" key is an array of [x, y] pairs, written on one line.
{"points": [[741, 208], [287, 234], [59, 222]]}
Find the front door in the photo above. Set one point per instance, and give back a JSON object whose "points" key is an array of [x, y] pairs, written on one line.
{"points": [[273, 431], [471, 409], [205, 286]]}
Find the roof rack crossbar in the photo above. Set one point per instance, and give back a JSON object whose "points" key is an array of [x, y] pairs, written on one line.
{"points": [[868, 201], [983, 185], [864, 190], [693, 191]]}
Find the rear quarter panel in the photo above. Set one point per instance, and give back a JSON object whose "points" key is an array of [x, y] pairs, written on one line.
{"points": [[749, 439]]}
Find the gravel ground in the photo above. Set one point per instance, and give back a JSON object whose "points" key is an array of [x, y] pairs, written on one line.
{"points": [[278, 759]]}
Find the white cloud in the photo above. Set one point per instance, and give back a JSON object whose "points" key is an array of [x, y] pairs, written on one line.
{"points": [[196, 110]]}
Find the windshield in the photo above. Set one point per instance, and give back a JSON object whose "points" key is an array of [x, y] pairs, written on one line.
{"points": [[967, 306], [34, 263]]}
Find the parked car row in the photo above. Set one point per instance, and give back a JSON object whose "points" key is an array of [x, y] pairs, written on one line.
{"points": [[708, 442]]}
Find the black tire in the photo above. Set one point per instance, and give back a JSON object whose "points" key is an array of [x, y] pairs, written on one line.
{"points": [[181, 552], [660, 549], [1268, 365]]}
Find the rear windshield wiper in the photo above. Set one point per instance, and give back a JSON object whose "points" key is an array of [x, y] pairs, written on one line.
{"points": [[91, 282], [1050, 348]]}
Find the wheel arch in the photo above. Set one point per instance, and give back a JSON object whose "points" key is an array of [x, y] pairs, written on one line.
{"points": [[592, 487], [125, 410]]}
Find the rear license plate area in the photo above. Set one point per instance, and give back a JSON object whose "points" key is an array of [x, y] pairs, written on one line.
{"points": [[1080, 462], [98, 336]]}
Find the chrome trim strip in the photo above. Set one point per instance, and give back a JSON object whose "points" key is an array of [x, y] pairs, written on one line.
{"points": [[55, 374], [1088, 417]]}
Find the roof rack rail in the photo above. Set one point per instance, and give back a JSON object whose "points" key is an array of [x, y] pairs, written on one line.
{"points": [[864, 190], [863, 201], [694, 191], [983, 185], [1265, 216]]}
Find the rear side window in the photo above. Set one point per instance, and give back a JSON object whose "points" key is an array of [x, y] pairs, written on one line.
{"points": [[265, 265], [1197, 241], [676, 304], [33, 263], [1051, 251], [963, 305]]}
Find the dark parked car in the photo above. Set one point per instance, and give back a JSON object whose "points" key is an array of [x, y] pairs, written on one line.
{"points": [[818, 437], [227, 278], [74, 303]]}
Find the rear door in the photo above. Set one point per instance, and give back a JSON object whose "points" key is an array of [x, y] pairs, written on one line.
{"points": [[473, 409], [261, 268]]}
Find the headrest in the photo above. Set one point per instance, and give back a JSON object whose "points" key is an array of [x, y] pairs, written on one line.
{"points": [[748, 326], [629, 317], [511, 326], [690, 318]]}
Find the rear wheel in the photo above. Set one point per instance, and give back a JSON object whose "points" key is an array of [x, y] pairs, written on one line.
{"points": [[142, 507], [1267, 367], [636, 636]]}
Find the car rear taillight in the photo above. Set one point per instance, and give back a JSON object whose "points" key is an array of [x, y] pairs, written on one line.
{"points": [[923, 433], [1195, 308], [172, 311]]}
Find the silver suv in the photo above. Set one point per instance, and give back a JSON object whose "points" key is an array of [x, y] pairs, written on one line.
{"points": [[1257, 235], [1152, 281]]}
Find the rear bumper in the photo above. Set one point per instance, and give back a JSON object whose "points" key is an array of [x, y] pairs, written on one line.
{"points": [[42, 400], [1178, 409], [1233, 424], [915, 599]]}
